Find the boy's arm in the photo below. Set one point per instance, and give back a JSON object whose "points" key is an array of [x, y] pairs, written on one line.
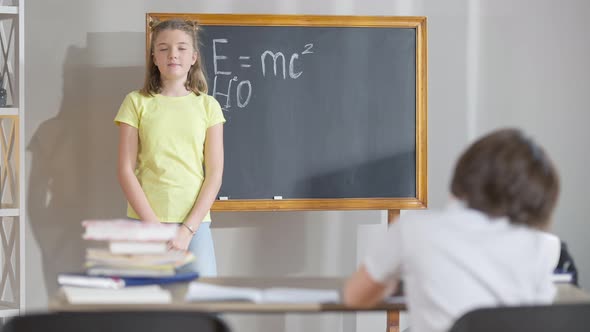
{"points": [[128, 143], [380, 272], [362, 291], [209, 189]]}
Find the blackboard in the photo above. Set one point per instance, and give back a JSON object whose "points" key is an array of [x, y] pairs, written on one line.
{"points": [[322, 112]]}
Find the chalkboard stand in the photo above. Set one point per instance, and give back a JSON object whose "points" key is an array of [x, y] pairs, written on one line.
{"points": [[392, 316]]}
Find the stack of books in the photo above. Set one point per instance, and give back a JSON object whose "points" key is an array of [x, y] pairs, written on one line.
{"points": [[136, 254], [135, 249]]}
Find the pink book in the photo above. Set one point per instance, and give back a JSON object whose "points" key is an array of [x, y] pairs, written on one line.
{"points": [[128, 230]]}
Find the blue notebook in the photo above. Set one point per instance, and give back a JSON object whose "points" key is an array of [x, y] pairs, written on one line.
{"points": [[81, 279]]}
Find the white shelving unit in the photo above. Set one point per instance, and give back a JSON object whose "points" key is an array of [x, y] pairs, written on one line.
{"points": [[8, 9], [12, 180]]}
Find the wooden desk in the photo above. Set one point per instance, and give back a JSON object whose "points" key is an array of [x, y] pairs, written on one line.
{"points": [[58, 303], [566, 294]]}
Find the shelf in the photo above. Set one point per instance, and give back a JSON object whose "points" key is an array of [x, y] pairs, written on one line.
{"points": [[6, 311], [9, 213], [8, 10], [12, 122], [8, 111]]}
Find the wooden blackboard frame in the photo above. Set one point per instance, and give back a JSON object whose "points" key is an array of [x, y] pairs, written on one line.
{"points": [[414, 22]]}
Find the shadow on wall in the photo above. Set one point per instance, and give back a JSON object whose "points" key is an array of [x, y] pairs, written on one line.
{"points": [[74, 155]]}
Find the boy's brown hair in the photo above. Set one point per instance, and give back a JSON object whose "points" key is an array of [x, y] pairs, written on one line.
{"points": [[507, 174], [196, 80]]}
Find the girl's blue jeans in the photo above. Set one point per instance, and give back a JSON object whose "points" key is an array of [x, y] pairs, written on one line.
{"points": [[202, 247]]}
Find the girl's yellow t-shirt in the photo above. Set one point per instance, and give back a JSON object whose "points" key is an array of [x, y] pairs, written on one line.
{"points": [[170, 162]]}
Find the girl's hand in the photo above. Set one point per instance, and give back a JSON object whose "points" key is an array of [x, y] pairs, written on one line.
{"points": [[182, 240]]}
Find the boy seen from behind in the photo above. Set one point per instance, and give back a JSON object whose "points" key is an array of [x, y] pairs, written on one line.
{"points": [[489, 247]]}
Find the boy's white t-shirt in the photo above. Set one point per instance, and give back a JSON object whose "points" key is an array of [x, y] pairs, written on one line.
{"points": [[459, 259]]}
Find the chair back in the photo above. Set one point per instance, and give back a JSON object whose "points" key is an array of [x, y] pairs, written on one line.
{"points": [[118, 321], [545, 318]]}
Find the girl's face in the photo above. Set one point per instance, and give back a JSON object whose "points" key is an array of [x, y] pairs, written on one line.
{"points": [[174, 54]]}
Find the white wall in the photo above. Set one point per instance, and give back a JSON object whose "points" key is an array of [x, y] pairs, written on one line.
{"points": [[491, 63], [533, 74]]}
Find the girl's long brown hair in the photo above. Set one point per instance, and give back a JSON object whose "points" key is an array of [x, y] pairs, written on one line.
{"points": [[196, 80]]}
